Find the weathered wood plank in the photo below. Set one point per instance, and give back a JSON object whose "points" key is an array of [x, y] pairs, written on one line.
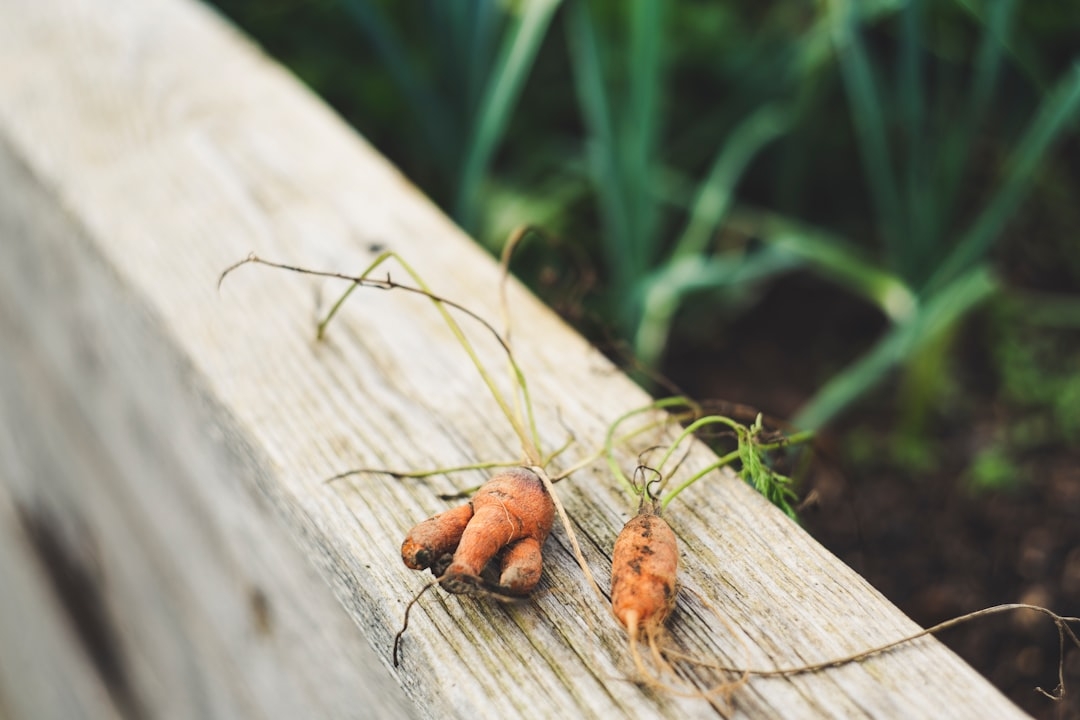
{"points": [[184, 433], [32, 623], [121, 475]]}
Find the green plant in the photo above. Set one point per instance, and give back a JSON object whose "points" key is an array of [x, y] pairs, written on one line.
{"points": [[650, 270], [463, 105], [699, 198], [931, 269], [1036, 354], [993, 469], [940, 258], [753, 443], [433, 84]]}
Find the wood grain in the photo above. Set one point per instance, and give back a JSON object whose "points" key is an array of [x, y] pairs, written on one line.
{"points": [[184, 433]]}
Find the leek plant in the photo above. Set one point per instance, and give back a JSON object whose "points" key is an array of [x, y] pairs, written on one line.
{"points": [[928, 264]]}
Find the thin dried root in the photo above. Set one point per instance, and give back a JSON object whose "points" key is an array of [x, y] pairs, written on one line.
{"points": [[405, 623], [1065, 633], [478, 589], [403, 474], [655, 670]]}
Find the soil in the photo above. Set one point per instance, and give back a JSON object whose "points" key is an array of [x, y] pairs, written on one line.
{"points": [[924, 537]]}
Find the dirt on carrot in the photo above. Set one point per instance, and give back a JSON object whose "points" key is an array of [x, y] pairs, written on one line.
{"points": [[644, 586], [645, 561]]}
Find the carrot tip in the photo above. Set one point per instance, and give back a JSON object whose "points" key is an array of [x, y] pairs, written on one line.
{"points": [[462, 584]]}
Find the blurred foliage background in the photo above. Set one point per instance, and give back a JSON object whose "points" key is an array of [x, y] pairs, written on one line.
{"points": [[858, 215]]}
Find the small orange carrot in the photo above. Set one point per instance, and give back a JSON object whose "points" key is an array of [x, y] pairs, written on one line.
{"points": [[520, 567], [644, 565], [438, 536], [509, 518]]}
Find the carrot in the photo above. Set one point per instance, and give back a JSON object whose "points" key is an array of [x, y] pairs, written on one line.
{"points": [[509, 517], [521, 567], [493, 544], [438, 536], [644, 564]]}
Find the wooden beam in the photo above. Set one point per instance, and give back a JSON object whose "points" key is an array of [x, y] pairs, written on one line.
{"points": [[165, 444]]}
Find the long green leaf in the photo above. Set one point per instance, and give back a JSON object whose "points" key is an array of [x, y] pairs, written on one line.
{"points": [[833, 258], [427, 107], [595, 102], [866, 113], [988, 60], [916, 192], [903, 339], [1054, 116], [957, 140], [664, 291], [640, 119], [717, 191], [480, 34], [1022, 56], [520, 45]]}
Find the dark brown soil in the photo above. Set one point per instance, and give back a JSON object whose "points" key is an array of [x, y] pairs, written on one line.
{"points": [[938, 551], [930, 542]]}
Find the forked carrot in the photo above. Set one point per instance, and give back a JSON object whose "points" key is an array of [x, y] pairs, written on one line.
{"points": [[509, 517], [492, 544]]}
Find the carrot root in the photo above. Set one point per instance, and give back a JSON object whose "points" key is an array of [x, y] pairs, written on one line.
{"points": [[437, 536], [644, 566], [521, 567], [508, 520]]}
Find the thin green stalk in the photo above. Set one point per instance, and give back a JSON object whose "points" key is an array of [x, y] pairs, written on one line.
{"points": [[521, 42], [717, 191], [481, 25], [866, 113], [988, 60], [504, 306], [690, 430], [609, 440], [423, 473], [528, 440], [1054, 116], [958, 138], [916, 193], [721, 462], [602, 148], [795, 439]]}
